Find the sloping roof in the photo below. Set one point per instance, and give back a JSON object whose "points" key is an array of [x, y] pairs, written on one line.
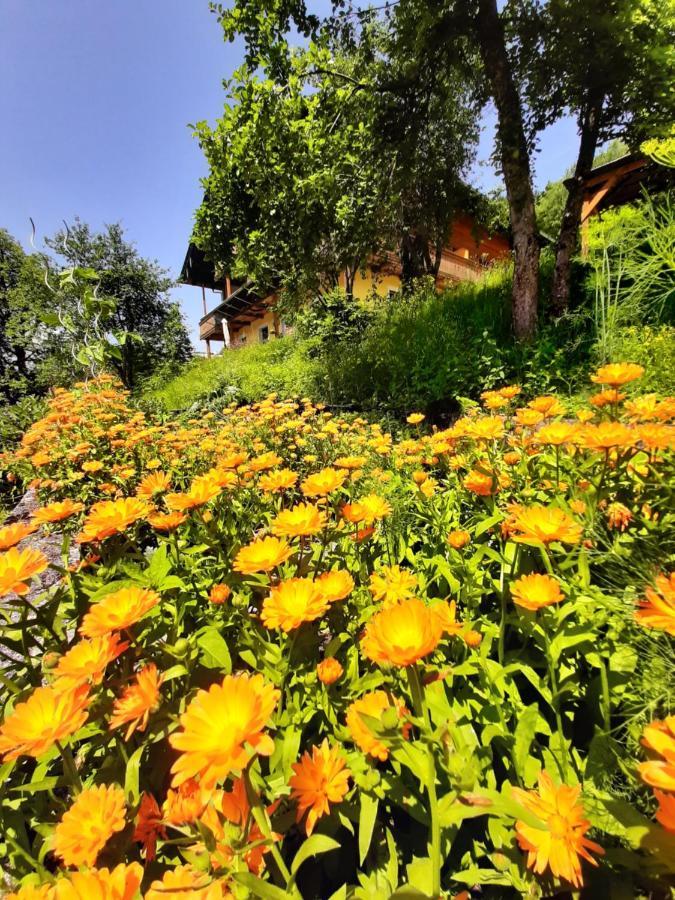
{"points": [[622, 180], [199, 271]]}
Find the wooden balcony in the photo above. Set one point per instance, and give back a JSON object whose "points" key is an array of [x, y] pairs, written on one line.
{"points": [[454, 267], [211, 328]]}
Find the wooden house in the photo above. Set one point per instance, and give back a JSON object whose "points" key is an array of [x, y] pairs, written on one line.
{"points": [[241, 316]]}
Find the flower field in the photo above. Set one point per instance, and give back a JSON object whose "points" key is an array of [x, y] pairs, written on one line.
{"points": [[299, 656]]}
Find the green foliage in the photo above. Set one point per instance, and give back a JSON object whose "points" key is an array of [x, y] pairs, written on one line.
{"points": [[248, 374], [652, 346]]}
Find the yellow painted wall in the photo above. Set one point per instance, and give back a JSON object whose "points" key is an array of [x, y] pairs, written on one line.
{"points": [[251, 332], [381, 282]]}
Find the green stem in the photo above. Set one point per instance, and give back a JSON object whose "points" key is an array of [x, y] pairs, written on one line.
{"points": [[69, 768], [606, 703], [259, 813], [417, 693], [553, 680]]}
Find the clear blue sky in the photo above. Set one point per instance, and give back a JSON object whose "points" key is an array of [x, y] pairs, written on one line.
{"points": [[95, 102]]}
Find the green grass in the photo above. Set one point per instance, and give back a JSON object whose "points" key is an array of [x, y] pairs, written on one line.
{"points": [[247, 374]]}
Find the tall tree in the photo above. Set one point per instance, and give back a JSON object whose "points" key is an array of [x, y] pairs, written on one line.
{"points": [[139, 288], [611, 65]]}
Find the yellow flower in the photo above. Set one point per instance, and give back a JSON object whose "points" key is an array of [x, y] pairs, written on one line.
{"points": [[415, 418], [373, 705], [659, 736], [84, 830], [17, 567], [319, 779], [202, 490], [402, 633], [155, 483], [122, 883], [374, 507], [265, 461], [322, 483], [293, 602], [458, 539], [481, 483], [138, 701], [392, 583], [607, 436], [335, 585], [302, 520], [56, 512], [560, 840], [87, 660], [261, 556], [10, 535], [110, 517], [166, 521], [118, 610], [544, 525], [618, 374], [657, 610], [50, 714], [222, 729], [32, 892], [186, 883], [281, 480], [557, 433], [535, 591], [329, 670]]}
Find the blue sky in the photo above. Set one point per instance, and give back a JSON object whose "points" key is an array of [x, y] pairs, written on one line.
{"points": [[95, 102]]}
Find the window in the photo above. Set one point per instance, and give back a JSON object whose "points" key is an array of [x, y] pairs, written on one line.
{"points": [[264, 334]]}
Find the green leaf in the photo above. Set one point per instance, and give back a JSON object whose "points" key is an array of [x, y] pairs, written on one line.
{"points": [[525, 732], [131, 776], [313, 846], [367, 819], [216, 653], [258, 887]]}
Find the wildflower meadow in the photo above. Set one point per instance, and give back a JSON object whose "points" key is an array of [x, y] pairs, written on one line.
{"points": [[287, 653]]}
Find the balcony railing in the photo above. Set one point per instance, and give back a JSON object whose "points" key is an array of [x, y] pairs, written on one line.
{"points": [[460, 268], [211, 328]]}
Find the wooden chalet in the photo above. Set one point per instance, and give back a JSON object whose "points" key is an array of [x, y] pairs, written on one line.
{"points": [[241, 316]]}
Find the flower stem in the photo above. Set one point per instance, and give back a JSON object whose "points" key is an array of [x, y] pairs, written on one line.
{"points": [[555, 701], [259, 813], [69, 768], [417, 693]]}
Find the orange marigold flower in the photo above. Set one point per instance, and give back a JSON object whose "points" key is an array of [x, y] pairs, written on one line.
{"points": [[335, 585], [122, 883], [373, 705], [302, 520], [84, 829], [166, 521], [202, 490], [281, 480], [481, 483], [118, 610], [108, 517], [656, 437], [264, 461], [185, 805], [219, 593], [473, 638], [293, 602], [10, 535], [544, 525], [659, 736], [402, 633], [261, 556], [184, 882], [319, 779], [50, 714], [617, 374], [87, 660], [560, 841], [607, 436], [446, 613], [322, 483], [556, 434], [529, 417], [353, 512], [17, 567], [606, 398], [222, 728], [93, 465], [618, 516], [329, 670], [548, 406], [32, 892], [374, 508], [392, 583], [56, 512], [665, 814], [535, 591], [657, 610], [578, 506], [458, 539], [486, 428], [149, 826], [351, 462], [155, 483], [137, 701]]}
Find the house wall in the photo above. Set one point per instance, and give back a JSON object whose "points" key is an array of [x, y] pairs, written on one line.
{"points": [[472, 242], [381, 282], [250, 333]]}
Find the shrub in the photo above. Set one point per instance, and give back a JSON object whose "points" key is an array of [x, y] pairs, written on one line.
{"points": [[299, 657]]}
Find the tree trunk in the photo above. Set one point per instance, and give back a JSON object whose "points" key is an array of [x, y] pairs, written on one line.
{"points": [[515, 163], [569, 226]]}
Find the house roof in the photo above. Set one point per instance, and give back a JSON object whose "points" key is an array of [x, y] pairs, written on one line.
{"points": [[622, 180], [243, 305], [198, 270]]}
